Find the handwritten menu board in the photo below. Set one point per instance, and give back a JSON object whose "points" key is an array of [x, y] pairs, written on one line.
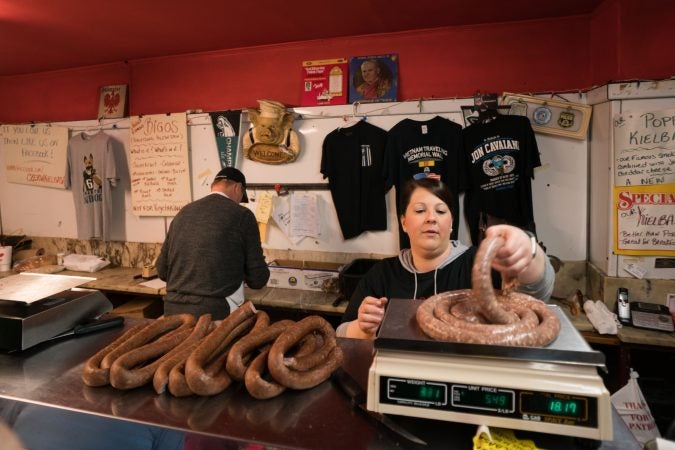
{"points": [[644, 183], [158, 164], [35, 154]]}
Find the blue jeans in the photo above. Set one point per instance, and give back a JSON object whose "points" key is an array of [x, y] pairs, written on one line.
{"points": [[46, 428]]}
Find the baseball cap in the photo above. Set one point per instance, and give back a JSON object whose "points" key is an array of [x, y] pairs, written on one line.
{"points": [[230, 173]]}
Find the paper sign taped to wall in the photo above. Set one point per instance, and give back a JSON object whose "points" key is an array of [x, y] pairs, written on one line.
{"points": [[281, 213], [159, 164], [304, 215], [644, 148], [35, 154]]}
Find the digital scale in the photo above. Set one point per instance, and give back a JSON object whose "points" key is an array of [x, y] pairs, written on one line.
{"points": [[36, 307], [554, 390]]}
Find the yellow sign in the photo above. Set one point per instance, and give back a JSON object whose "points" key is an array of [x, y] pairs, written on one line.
{"points": [[644, 220], [264, 207]]}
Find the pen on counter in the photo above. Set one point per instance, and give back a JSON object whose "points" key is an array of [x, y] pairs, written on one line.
{"points": [[338, 300]]}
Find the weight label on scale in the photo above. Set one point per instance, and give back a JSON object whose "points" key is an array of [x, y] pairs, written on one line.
{"points": [[417, 392]]}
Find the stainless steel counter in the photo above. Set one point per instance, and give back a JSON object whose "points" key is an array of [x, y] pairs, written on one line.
{"points": [[50, 375], [321, 417]]}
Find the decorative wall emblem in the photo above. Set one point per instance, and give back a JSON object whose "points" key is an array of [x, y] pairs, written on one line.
{"points": [[541, 115], [271, 139], [572, 118], [566, 119]]}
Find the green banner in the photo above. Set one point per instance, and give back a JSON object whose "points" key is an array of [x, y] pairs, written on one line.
{"points": [[226, 129]]}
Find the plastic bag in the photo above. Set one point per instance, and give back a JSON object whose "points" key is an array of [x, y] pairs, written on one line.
{"points": [[634, 410], [84, 263], [604, 321], [499, 438]]}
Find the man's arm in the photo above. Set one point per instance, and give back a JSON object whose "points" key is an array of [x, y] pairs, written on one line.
{"points": [[256, 272]]}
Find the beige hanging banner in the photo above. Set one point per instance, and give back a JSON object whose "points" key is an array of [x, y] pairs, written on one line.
{"points": [[159, 164]]}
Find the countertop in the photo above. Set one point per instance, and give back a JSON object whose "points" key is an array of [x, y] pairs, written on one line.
{"points": [[121, 280], [321, 417], [626, 334]]}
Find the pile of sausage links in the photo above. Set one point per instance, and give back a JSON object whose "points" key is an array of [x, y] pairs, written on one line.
{"points": [[197, 356]]}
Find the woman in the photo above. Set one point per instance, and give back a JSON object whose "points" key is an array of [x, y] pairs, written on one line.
{"points": [[435, 264]]}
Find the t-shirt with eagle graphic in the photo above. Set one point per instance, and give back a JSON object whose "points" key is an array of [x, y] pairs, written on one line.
{"points": [[500, 158]]}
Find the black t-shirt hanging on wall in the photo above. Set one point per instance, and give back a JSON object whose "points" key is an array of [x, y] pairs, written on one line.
{"points": [[353, 161], [416, 149], [500, 157]]}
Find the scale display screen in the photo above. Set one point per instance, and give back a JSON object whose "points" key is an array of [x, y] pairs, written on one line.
{"points": [[485, 398], [554, 405], [491, 400], [417, 391]]}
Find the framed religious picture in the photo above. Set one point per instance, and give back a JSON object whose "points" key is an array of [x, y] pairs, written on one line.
{"points": [[373, 78], [112, 102], [561, 118]]}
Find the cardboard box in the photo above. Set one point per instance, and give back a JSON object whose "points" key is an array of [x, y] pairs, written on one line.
{"points": [[324, 82], [304, 275], [141, 308]]}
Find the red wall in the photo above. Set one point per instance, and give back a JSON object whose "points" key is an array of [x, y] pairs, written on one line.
{"points": [[647, 40], [604, 32], [623, 39], [59, 95], [632, 39], [433, 63]]}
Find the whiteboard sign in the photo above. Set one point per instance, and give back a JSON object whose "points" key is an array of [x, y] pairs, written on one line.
{"points": [[644, 148], [158, 164], [35, 154]]}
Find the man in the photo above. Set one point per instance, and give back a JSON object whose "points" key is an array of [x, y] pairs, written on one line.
{"points": [[212, 248], [374, 85]]}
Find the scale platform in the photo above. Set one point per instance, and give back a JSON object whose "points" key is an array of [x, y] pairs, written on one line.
{"points": [[37, 307], [554, 389]]}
